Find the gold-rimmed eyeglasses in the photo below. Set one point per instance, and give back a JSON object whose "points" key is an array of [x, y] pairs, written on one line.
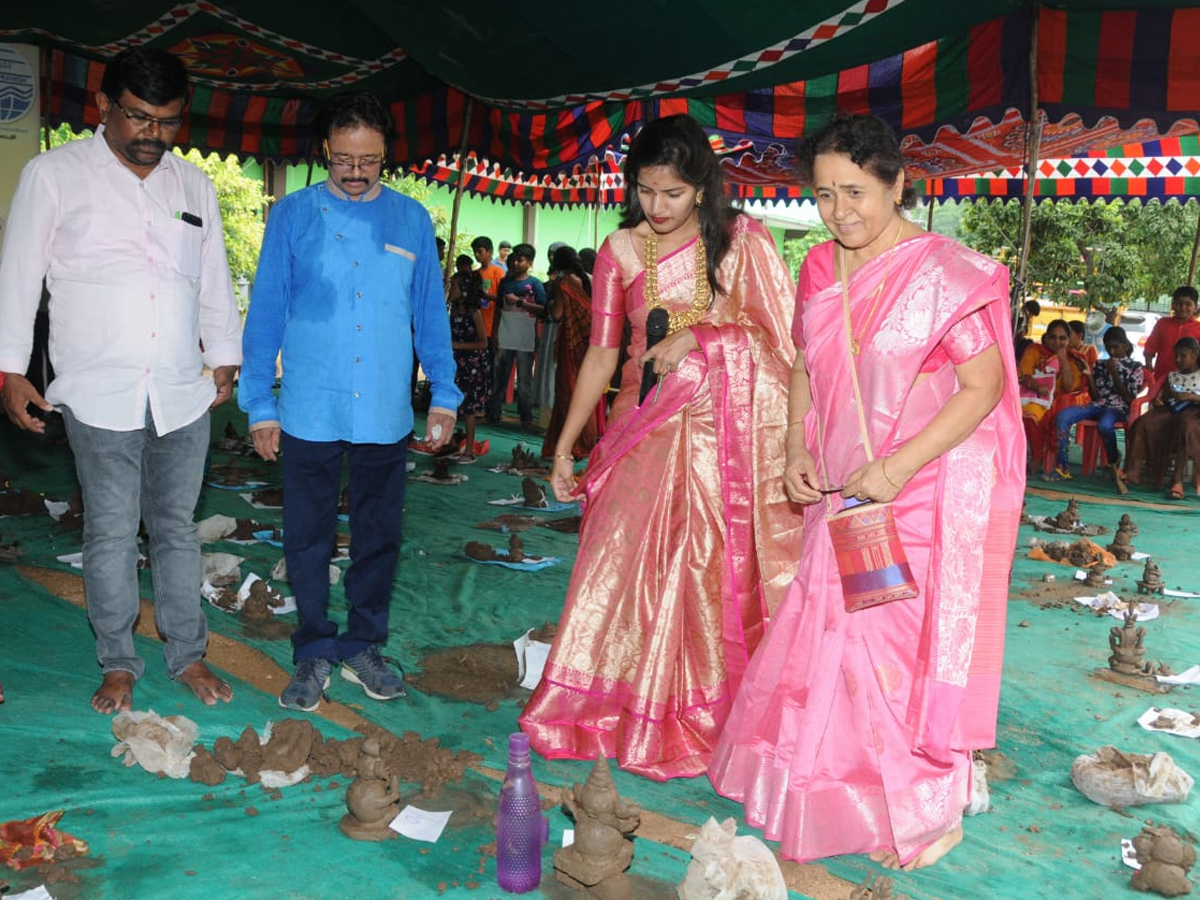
{"points": [[141, 121], [363, 163]]}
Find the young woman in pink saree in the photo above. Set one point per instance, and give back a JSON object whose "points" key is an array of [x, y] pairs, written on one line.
{"points": [[679, 556], [852, 731]]}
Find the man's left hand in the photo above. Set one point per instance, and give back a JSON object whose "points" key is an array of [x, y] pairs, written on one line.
{"points": [[439, 428], [223, 379]]}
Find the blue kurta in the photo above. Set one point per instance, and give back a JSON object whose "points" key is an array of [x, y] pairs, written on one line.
{"points": [[344, 288]]}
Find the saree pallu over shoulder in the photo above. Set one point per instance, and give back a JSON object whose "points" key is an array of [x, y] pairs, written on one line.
{"points": [[852, 731], [684, 514]]}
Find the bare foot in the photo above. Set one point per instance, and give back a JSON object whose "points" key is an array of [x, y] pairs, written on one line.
{"points": [[889, 859], [204, 684], [115, 693], [936, 850]]}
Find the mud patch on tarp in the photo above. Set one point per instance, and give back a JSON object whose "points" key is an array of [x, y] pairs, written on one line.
{"points": [[477, 673]]}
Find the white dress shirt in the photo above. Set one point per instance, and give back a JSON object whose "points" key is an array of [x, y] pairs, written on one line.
{"points": [[135, 288]]}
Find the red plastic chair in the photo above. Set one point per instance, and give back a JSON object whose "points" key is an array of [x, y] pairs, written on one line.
{"points": [[1087, 435]]}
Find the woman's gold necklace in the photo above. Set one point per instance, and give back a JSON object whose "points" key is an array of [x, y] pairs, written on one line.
{"points": [[700, 301], [862, 328]]}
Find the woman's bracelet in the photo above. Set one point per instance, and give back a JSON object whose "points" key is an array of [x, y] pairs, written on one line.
{"points": [[883, 469], [796, 422], [564, 456]]}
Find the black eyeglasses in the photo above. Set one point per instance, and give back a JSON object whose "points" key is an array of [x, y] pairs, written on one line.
{"points": [[141, 121]]}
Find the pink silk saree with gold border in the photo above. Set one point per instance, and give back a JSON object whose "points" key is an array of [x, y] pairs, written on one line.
{"points": [[687, 540], [853, 732]]}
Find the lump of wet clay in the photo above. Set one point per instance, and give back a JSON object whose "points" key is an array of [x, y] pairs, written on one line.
{"points": [[1165, 859], [1113, 778], [205, 769], [476, 550]]}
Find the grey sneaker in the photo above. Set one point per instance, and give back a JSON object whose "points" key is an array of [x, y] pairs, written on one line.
{"points": [[369, 669], [308, 683]]}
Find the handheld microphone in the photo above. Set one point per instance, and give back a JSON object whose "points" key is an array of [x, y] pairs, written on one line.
{"points": [[656, 329]]}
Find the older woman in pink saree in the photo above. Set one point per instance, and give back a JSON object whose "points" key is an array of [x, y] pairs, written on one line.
{"points": [[852, 731], [677, 568]]}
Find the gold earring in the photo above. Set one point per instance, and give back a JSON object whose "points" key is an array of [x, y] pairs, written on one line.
{"points": [[699, 198], [899, 202]]}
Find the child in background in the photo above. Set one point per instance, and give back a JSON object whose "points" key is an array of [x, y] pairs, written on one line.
{"points": [[1077, 341], [1169, 434], [1112, 384], [469, 341]]}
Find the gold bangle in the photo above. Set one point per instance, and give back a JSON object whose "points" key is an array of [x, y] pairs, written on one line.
{"points": [[797, 422], [883, 469], [564, 456]]}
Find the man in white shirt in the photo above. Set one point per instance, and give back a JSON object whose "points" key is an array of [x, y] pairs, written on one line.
{"points": [[128, 239]]}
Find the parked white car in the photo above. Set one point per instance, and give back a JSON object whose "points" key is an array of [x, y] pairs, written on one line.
{"points": [[1138, 324]]}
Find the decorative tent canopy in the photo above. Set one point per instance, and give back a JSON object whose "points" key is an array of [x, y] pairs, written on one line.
{"points": [[555, 101]]}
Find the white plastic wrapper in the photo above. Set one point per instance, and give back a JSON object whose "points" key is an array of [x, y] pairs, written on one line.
{"points": [[1112, 778], [155, 743], [727, 867]]}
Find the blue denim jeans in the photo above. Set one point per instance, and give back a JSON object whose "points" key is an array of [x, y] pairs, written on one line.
{"points": [[127, 476], [1106, 417], [312, 478], [504, 366]]}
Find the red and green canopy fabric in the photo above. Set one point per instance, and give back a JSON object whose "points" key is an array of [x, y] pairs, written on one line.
{"points": [[552, 94], [1159, 169]]}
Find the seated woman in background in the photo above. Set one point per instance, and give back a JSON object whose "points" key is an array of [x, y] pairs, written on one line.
{"points": [[1168, 436], [1112, 385], [1077, 343], [1045, 371]]}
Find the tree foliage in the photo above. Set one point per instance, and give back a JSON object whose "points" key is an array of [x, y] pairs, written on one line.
{"points": [[241, 200], [795, 250], [419, 190], [1104, 254]]}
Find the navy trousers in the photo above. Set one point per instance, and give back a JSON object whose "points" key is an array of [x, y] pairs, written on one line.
{"points": [[311, 485]]}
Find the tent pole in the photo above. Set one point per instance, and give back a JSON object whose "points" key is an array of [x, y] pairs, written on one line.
{"points": [[599, 203], [448, 262], [1034, 126], [1191, 279]]}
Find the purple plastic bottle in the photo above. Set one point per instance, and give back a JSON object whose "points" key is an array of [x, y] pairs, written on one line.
{"points": [[521, 828]]}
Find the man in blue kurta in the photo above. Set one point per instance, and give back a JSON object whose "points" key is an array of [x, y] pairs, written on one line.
{"points": [[347, 283]]}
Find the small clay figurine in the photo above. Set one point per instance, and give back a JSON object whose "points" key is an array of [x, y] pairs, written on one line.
{"points": [[373, 798], [1068, 519], [523, 458], [1127, 524], [1127, 644], [262, 599], [516, 549], [1165, 859], [1095, 576], [597, 861], [874, 888], [441, 468], [1122, 547], [1151, 581]]}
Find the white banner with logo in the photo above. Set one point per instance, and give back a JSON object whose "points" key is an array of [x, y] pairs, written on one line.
{"points": [[19, 118]]}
